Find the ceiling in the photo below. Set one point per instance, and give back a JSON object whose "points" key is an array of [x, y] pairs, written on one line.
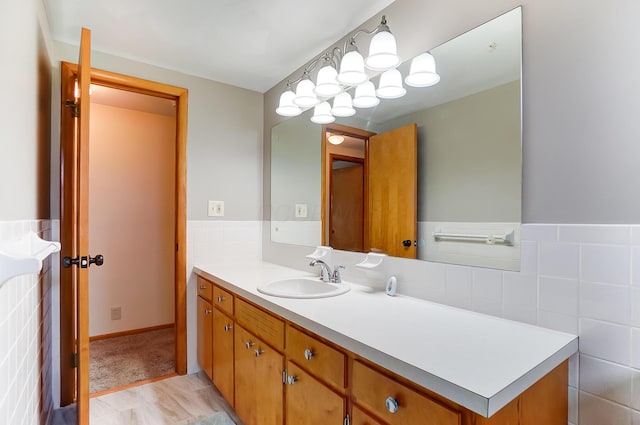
{"points": [[238, 42]]}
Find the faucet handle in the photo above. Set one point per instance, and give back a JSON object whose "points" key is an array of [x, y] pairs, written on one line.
{"points": [[336, 274]]}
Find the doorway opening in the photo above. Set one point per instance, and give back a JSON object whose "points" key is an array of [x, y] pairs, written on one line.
{"points": [[132, 223], [172, 226], [369, 189]]}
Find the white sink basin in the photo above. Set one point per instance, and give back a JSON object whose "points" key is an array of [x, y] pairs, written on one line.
{"points": [[303, 287]]}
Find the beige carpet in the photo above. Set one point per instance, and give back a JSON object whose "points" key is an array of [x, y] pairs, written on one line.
{"points": [[119, 361]]}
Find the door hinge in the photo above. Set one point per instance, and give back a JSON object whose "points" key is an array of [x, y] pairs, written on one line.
{"points": [[346, 421], [73, 104], [75, 360]]}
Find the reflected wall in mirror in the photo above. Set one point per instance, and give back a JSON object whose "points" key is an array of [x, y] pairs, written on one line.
{"points": [[468, 167]]}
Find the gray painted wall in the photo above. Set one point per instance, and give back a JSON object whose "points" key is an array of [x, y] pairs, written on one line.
{"points": [[23, 154], [297, 153], [580, 89], [224, 140], [469, 157]]}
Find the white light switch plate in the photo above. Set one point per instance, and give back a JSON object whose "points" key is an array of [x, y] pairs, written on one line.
{"points": [[215, 209], [301, 210]]}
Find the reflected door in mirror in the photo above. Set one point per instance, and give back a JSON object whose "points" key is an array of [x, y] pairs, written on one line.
{"points": [[347, 204], [392, 191]]}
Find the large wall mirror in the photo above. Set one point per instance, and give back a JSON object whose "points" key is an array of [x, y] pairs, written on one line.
{"points": [[435, 175]]}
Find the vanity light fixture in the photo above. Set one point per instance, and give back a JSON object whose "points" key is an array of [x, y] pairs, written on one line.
{"points": [[305, 95], [383, 57], [422, 72], [383, 52], [342, 105], [365, 96], [322, 114], [286, 107], [327, 82], [352, 70], [390, 85]]}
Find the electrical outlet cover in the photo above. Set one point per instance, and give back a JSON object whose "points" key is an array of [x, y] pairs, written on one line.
{"points": [[301, 210], [215, 209]]}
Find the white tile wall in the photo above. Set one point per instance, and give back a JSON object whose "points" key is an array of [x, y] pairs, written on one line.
{"points": [[582, 279], [215, 242], [25, 338]]}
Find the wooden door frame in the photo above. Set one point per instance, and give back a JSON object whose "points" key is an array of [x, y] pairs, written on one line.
{"points": [[180, 96], [326, 162]]}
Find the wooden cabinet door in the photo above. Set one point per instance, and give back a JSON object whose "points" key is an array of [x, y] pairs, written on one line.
{"points": [[205, 323], [359, 417], [309, 402], [223, 354], [258, 380]]}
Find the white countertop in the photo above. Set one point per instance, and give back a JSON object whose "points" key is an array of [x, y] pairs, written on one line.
{"points": [[480, 362]]}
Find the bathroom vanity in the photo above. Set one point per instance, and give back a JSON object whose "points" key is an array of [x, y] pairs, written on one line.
{"points": [[365, 358]]}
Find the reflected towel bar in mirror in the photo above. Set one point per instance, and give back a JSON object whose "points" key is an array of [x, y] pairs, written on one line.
{"points": [[506, 239]]}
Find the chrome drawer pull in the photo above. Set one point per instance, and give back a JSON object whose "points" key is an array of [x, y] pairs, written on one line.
{"points": [[220, 298], [227, 328], [308, 354], [249, 344], [208, 311], [258, 352], [392, 405], [203, 286], [292, 379]]}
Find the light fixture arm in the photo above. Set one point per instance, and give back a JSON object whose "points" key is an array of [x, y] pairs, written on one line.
{"points": [[350, 43], [336, 53], [328, 56]]}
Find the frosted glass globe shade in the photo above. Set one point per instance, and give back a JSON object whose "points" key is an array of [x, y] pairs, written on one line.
{"points": [[286, 107], [365, 96], [322, 114], [342, 106], [327, 82], [352, 69], [305, 96], [390, 85], [422, 72], [383, 52]]}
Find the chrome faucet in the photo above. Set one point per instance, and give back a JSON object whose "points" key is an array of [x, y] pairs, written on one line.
{"points": [[326, 273], [325, 270]]}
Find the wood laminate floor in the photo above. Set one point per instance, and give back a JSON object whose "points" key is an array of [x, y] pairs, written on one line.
{"points": [[180, 400]]}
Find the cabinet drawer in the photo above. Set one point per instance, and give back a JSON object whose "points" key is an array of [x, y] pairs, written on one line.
{"points": [[263, 325], [223, 300], [316, 357], [375, 391], [204, 288]]}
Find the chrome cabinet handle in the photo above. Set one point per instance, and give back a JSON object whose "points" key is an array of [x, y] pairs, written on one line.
{"points": [[392, 404], [220, 298], [308, 354], [227, 328], [258, 352], [291, 379], [203, 286], [249, 344], [207, 311]]}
